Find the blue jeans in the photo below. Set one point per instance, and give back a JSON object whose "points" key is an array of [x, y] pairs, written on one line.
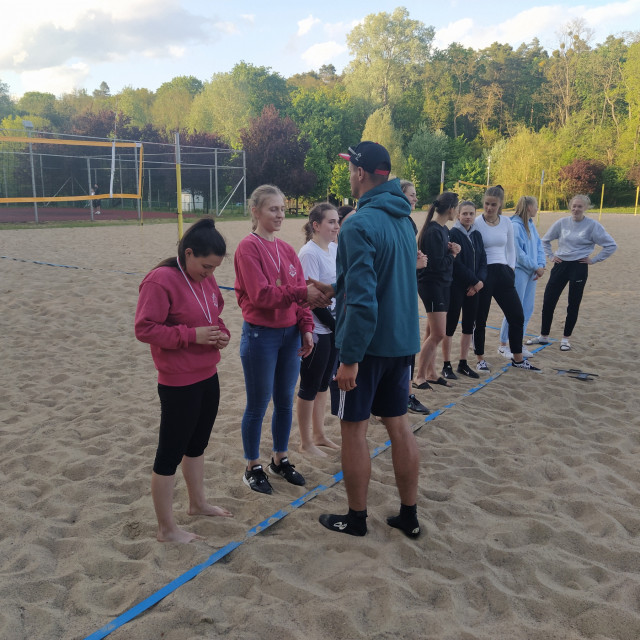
{"points": [[271, 365], [526, 288]]}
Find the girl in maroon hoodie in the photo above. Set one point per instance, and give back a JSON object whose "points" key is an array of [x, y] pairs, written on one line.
{"points": [[178, 315]]}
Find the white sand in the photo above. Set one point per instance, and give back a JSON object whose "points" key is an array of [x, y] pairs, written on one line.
{"points": [[529, 489]]}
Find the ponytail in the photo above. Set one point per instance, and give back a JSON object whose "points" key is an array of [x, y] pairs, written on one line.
{"points": [[445, 201]]}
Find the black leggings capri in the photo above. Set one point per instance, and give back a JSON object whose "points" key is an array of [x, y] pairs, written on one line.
{"points": [[459, 300], [317, 368], [187, 417]]}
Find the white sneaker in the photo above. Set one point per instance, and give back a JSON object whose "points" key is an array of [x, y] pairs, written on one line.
{"points": [[505, 352], [482, 366], [526, 353]]}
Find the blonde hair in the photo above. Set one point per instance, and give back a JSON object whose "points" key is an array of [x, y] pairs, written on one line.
{"points": [[405, 184], [522, 210], [257, 198], [585, 199]]}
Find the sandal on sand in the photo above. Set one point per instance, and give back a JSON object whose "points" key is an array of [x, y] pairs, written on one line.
{"points": [[537, 340], [565, 346], [423, 385], [441, 381]]}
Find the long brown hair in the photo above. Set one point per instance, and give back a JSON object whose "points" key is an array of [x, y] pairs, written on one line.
{"points": [[317, 214], [445, 201]]}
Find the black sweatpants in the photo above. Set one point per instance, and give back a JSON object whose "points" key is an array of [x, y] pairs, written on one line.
{"points": [[575, 274], [187, 415], [500, 285]]}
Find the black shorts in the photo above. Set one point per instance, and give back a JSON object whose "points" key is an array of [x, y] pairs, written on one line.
{"points": [[434, 296], [317, 368], [382, 389]]}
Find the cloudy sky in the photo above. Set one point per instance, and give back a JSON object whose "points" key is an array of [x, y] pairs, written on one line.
{"points": [[60, 45]]}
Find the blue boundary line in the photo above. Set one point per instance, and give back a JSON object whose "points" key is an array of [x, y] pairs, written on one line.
{"points": [[172, 586]]}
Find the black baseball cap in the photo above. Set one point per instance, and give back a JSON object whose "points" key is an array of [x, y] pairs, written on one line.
{"points": [[371, 156]]}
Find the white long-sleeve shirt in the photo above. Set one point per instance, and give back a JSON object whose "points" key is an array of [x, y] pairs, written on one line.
{"points": [[577, 240], [498, 241]]}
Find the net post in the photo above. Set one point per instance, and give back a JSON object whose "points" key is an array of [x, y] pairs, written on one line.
{"points": [[90, 187], [179, 185]]}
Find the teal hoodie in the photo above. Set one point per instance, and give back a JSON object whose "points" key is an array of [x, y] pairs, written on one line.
{"points": [[376, 292]]}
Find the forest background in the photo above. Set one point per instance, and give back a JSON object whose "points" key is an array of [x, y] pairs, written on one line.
{"points": [[498, 114]]}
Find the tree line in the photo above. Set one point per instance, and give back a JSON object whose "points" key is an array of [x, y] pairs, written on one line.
{"points": [[498, 114]]}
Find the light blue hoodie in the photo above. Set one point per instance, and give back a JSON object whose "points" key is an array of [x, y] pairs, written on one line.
{"points": [[529, 250]]}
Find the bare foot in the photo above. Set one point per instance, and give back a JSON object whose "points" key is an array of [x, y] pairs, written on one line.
{"points": [[323, 441], [208, 510], [177, 535], [312, 450]]}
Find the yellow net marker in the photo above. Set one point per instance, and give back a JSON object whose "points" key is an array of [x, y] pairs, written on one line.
{"points": [[601, 201]]}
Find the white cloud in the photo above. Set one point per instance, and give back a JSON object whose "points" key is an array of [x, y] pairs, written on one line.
{"points": [[56, 80], [53, 34], [543, 22], [304, 26], [322, 53]]}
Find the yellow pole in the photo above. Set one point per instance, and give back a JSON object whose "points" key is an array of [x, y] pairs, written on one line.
{"points": [[179, 185], [635, 211], [601, 201], [540, 198], [442, 178], [141, 169]]}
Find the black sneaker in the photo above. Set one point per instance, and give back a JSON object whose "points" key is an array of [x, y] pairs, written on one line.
{"points": [[525, 364], [415, 406], [287, 471], [466, 371], [256, 479], [447, 372]]}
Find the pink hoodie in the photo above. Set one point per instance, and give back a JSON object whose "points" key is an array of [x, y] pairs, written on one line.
{"points": [[166, 318], [262, 300]]}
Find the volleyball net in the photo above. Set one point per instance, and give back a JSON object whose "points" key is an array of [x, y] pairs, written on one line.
{"points": [[47, 170], [61, 171]]}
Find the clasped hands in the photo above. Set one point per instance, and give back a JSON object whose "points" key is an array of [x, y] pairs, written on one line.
{"points": [[212, 336], [319, 294]]}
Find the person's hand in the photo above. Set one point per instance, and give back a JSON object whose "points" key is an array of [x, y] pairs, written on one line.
{"points": [[422, 260], [586, 260], [454, 248], [208, 335], [307, 344], [325, 288], [540, 272], [223, 340], [346, 376], [556, 260]]}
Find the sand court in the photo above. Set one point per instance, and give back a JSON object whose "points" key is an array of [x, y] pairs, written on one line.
{"points": [[529, 489]]}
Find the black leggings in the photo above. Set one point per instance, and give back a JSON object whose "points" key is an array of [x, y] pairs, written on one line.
{"points": [[317, 368], [459, 300], [187, 417], [575, 273], [499, 284]]}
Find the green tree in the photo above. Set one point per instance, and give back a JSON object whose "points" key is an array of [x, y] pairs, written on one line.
{"points": [[6, 104], [389, 51], [172, 105], [229, 101], [429, 150], [36, 103], [340, 184], [380, 128], [136, 104]]}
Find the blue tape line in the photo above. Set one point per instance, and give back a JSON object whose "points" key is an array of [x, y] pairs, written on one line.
{"points": [[162, 593]]}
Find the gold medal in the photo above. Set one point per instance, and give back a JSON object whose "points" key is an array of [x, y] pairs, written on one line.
{"points": [[278, 282]]}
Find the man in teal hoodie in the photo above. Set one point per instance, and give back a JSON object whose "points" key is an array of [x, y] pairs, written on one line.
{"points": [[377, 333]]}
